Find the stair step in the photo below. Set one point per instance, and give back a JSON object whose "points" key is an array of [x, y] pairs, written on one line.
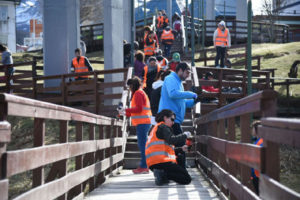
{"points": [[132, 146]]}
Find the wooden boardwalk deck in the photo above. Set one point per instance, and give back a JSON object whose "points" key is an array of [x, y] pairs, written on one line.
{"points": [[130, 186]]}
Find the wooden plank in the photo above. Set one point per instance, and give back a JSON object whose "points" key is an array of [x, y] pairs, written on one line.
{"points": [[27, 159], [60, 186], [110, 96], [111, 84], [5, 132], [38, 140], [285, 123], [271, 189], [4, 189]]}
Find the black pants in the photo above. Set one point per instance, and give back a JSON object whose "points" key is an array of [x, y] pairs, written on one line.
{"points": [[174, 172], [220, 55], [255, 182], [181, 159]]}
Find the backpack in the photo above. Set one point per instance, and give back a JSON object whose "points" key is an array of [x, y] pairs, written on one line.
{"points": [[177, 26]]}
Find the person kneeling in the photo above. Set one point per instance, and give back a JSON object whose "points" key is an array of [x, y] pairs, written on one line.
{"points": [[160, 153]]}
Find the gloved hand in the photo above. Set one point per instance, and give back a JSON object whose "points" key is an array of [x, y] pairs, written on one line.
{"points": [[122, 112], [188, 134]]}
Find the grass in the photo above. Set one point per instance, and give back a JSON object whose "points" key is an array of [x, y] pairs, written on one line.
{"points": [[279, 56]]}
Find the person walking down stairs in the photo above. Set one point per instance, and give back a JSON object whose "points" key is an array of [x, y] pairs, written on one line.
{"points": [[167, 39]]}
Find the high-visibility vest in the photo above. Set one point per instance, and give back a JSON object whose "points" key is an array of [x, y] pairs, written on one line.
{"points": [[221, 39], [160, 21], [145, 37], [167, 35], [162, 63], [258, 142], [158, 150], [143, 117], [149, 50], [80, 66], [146, 73]]}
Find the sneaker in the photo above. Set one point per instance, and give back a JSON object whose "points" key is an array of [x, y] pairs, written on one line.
{"points": [[160, 177], [140, 170]]}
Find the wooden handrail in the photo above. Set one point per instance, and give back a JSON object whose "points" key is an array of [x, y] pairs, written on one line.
{"points": [[90, 162]]}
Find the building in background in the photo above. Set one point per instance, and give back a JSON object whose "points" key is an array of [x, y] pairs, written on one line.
{"points": [[8, 23], [35, 41]]}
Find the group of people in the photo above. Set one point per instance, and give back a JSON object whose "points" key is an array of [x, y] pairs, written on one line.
{"points": [[163, 146]]}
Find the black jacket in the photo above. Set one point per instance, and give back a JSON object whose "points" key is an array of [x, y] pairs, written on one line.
{"points": [[166, 133]]}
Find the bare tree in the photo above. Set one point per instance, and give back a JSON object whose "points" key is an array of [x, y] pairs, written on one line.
{"points": [[271, 9]]}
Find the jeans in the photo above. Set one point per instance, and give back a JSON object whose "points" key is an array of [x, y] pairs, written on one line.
{"points": [[174, 172], [220, 55], [167, 50], [181, 158], [142, 135]]}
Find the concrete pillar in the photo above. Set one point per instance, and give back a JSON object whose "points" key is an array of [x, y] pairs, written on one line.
{"points": [[61, 36], [127, 20], [241, 10], [169, 11], [210, 10], [113, 42]]}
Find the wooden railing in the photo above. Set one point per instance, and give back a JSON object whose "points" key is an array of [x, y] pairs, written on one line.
{"points": [[22, 78], [88, 95], [94, 158], [238, 30], [226, 154], [229, 78]]}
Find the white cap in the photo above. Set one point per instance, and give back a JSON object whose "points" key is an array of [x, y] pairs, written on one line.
{"points": [[222, 23]]}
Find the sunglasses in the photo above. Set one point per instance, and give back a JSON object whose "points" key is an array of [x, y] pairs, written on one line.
{"points": [[172, 119]]}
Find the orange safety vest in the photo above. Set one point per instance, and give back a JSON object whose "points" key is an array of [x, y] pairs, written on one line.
{"points": [[160, 21], [143, 117], [80, 66], [145, 37], [167, 35], [149, 50], [258, 143], [158, 150], [146, 72], [162, 63], [221, 39]]}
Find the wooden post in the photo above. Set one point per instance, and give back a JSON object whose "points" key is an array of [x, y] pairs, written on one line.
{"points": [[34, 81], [245, 138], [78, 162], [5, 137], [96, 94], [92, 156], [64, 93], [101, 155], [63, 164], [39, 137]]}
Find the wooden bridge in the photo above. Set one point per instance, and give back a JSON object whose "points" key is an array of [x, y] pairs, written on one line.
{"points": [[96, 148]]}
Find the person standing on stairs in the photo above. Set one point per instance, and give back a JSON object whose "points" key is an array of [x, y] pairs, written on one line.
{"points": [[160, 153], [162, 61], [149, 75], [173, 97], [222, 41], [151, 45], [140, 113], [167, 39]]}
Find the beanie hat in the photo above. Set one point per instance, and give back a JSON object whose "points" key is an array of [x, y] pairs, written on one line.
{"points": [[222, 23], [176, 57]]}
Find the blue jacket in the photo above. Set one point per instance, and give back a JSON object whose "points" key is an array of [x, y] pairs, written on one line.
{"points": [[174, 97]]}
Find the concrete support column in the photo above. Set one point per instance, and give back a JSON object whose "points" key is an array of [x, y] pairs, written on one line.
{"points": [[127, 20], [169, 11], [11, 40], [61, 36], [113, 42], [241, 7], [210, 10]]}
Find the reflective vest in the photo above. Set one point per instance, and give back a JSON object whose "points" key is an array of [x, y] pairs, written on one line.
{"points": [[160, 21], [255, 173], [80, 67], [145, 37], [158, 150], [143, 117], [149, 50], [162, 63], [221, 39], [146, 73], [167, 35]]}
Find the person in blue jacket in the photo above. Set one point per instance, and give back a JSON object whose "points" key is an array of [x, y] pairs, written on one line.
{"points": [[173, 97]]}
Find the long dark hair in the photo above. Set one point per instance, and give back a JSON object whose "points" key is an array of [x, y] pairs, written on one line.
{"points": [[3, 48], [164, 113], [135, 82]]}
